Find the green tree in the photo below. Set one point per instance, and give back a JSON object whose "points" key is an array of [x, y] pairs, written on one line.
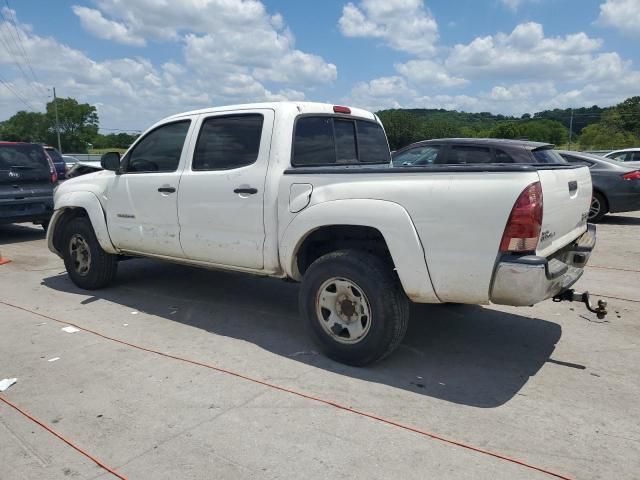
{"points": [[601, 136], [402, 127], [25, 127], [78, 124]]}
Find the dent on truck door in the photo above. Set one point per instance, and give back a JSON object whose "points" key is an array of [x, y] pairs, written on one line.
{"points": [[221, 199], [142, 211]]}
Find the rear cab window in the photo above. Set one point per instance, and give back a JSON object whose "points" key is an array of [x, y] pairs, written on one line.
{"points": [[330, 140]]}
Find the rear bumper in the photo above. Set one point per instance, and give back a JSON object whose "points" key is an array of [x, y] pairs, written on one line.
{"points": [[33, 209], [530, 279]]}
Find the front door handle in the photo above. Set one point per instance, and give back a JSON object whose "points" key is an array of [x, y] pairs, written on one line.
{"points": [[249, 190], [167, 190]]}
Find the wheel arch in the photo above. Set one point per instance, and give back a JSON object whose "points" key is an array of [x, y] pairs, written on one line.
{"points": [[378, 226], [73, 205]]}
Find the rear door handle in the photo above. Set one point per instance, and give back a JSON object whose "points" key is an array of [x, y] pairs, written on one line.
{"points": [[573, 186], [250, 191], [167, 190]]}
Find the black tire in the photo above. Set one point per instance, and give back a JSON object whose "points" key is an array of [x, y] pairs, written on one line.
{"points": [[598, 208], [102, 266], [388, 305]]}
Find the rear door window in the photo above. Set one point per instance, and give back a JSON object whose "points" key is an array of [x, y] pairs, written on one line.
{"points": [[417, 156], [503, 157], [326, 140], [228, 142], [465, 154]]}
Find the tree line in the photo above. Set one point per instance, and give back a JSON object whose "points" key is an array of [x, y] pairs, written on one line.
{"points": [[78, 124], [593, 128]]}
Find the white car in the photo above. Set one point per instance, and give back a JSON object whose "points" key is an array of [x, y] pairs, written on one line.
{"points": [[306, 192], [625, 155]]}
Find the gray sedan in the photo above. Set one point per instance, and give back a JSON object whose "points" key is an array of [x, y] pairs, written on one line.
{"points": [[616, 186]]}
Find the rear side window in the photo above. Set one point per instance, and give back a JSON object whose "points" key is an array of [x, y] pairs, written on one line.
{"points": [[228, 142], [547, 155], [417, 156], [503, 157], [160, 149], [326, 140], [577, 161], [463, 154]]}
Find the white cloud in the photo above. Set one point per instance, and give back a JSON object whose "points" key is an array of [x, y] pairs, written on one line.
{"points": [[621, 14], [404, 25], [526, 53], [233, 51], [428, 73], [512, 4], [93, 22]]}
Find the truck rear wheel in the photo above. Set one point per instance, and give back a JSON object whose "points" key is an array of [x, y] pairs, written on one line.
{"points": [[87, 264], [354, 307]]}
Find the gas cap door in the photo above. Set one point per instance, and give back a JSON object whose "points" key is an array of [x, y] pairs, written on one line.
{"points": [[299, 196]]}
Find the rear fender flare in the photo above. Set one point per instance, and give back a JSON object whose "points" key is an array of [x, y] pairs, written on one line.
{"points": [[389, 218]]}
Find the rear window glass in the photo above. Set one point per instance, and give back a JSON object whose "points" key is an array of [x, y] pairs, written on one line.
{"points": [[26, 157], [503, 157], [325, 140], [54, 154], [547, 155]]}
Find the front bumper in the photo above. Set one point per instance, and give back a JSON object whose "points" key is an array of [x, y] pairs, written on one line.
{"points": [[530, 279]]}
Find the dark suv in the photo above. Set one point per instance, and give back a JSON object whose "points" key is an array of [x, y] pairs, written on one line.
{"points": [[462, 151], [27, 179]]}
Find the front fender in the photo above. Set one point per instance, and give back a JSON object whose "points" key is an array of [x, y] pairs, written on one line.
{"points": [[89, 202], [389, 218]]}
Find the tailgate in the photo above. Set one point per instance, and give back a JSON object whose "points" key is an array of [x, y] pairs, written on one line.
{"points": [[566, 195]]}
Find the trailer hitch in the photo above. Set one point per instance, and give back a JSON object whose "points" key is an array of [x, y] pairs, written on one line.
{"points": [[571, 295]]}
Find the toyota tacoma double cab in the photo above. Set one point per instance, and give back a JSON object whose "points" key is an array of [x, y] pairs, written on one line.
{"points": [[307, 192]]}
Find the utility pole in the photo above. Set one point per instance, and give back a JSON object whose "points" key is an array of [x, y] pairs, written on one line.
{"points": [[55, 105], [570, 129]]}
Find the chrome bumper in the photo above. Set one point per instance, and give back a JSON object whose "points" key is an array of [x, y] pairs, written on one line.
{"points": [[527, 280]]}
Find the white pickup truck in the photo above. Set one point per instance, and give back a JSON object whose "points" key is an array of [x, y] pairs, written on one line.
{"points": [[306, 191]]}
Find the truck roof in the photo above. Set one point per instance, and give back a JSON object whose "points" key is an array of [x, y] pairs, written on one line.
{"points": [[302, 107]]}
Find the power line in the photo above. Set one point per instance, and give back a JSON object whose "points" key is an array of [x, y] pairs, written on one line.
{"points": [[13, 20], [17, 95], [6, 40]]}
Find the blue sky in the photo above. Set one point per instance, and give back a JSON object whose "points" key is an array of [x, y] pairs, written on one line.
{"points": [[140, 60]]}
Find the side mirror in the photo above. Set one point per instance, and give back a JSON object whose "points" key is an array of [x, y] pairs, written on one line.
{"points": [[110, 161]]}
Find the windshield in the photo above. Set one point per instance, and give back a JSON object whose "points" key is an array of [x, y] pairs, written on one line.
{"points": [[547, 155]]}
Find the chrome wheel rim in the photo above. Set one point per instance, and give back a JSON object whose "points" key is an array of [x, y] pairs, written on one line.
{"points": [[594, 209], [80, 254], [343, 310]]}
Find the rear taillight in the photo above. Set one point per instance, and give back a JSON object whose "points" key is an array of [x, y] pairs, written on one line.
{"points": [[52, 168], [523, 228], [635, 175]]}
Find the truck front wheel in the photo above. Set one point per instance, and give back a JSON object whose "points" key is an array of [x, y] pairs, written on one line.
{"points": [[354, 307], [87, 264]]}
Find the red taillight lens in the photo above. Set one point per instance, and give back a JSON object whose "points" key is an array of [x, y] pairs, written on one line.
{"points": [[523, 228], [635, 175], [54, 177], [339, 109]]}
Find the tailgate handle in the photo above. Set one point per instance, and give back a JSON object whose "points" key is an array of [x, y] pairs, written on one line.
{"points": [[573, 186]]}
